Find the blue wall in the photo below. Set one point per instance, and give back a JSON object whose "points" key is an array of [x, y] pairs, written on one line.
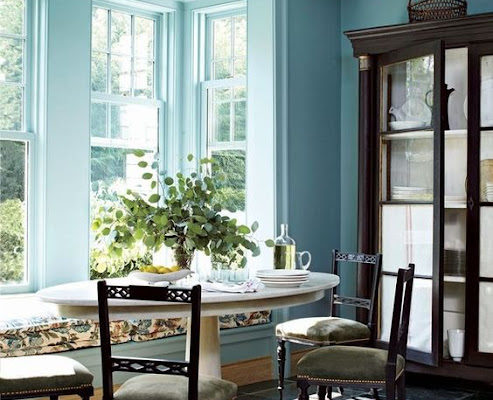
{"points": [[358, 14], [313, 131]]}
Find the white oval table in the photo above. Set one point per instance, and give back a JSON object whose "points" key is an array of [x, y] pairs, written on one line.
{"points": [[79, 300]]}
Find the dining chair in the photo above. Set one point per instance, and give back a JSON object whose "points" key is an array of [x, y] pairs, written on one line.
{"points": [[163, 379], [333, 330], [43, 376], [364, 366]]}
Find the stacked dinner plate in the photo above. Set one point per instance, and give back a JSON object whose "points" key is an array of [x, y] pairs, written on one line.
{"points": [[487, 192], [283, 278], [411, 193]]}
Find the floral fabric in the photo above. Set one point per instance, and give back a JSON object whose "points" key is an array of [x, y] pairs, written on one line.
{"points": [[49, 334]]}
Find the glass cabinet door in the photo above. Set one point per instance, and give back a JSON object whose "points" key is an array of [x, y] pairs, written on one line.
{"points": [[480, 240], [411, 190]]}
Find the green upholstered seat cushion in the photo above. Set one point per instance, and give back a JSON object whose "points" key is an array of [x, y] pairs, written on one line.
{"points": [[173, 387], [347, 363], [324, 330], [41, 373]]}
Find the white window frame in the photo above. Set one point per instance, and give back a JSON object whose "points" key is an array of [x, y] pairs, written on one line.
{"points": [[160, 31], [237, 8], [28, 136]]}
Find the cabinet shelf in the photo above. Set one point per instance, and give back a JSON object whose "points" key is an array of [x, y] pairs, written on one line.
{"points": [[423, 134]]}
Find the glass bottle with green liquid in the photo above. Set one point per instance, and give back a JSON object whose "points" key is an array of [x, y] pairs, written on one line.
{"points": [[284, 250]]}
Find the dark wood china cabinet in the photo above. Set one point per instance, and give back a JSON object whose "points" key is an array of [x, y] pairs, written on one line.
{"points": [[426, 182]]}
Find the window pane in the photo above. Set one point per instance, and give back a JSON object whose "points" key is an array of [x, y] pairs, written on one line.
{"points": [[144, 38], [98, 119], [120, 75], [12, 16], [99, 72], [12, 212], [143, 78], [221, 69], [221, 47], [137, 125], [240, 45], [221, 122], [99, 29], [11, 60], [121, 38], [232, 188], [10, 108], [240, 121]]}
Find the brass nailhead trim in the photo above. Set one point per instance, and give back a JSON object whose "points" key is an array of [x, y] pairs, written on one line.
{"points": [[47, 390], [311, 378], [338, 380]]}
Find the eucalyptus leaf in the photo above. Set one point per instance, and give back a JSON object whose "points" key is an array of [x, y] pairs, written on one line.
{"points": [[143, 164], [269, 243], [139, 153], [146, 175], [154, 198]]}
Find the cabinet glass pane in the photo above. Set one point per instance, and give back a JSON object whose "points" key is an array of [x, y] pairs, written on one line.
{"points": [[407, 169], [486, 166], [407, 237], [421, 311], [487, 91], [407, 93], [485, 242], [485, 344]]}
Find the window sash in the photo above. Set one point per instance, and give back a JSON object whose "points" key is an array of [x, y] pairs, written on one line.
{"points": [[209, 45], [157, 18], [26, 134]]}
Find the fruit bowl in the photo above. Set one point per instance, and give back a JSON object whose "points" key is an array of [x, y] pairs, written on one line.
{"points": [[160, 277]]}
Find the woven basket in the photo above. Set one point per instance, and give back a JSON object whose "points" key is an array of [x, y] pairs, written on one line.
{"points": [[431, 10]]}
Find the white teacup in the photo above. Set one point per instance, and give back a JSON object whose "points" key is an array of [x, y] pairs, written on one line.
{"points": [[299, 259], [456, 344]]}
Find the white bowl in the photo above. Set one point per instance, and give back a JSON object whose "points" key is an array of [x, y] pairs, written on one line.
{"points": [[169, 277]]}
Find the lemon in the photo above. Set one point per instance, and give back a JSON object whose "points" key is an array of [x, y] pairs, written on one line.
{"points": [[163, 270], [174, 268], [152, 269]]}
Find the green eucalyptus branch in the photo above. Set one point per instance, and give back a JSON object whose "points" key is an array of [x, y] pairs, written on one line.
{"points": [[186, 217]]}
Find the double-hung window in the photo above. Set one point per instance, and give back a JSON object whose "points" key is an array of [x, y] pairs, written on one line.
{"points": [[224, 102], [126, 110], [16, 146]]}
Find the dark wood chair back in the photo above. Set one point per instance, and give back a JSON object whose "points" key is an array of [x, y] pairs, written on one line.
{"points": [[112, 364], [373, 261], [400, 317]]}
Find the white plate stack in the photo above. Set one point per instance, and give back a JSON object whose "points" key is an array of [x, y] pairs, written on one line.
{"points": [[411, 193], [488, 192], [283, 278]]}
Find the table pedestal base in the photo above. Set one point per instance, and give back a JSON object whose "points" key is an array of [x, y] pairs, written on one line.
{"points": [[210, 347]]}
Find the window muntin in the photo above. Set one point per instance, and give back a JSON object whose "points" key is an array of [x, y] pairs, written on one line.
{"points": [[126, 114], [225, 103], [16, 148]]}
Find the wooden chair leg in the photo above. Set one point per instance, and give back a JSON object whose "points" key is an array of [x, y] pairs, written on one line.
{"points": [[303, 388], [54, 397], [376, 396], [322, 391], [401, 388], [329, 392], [281, 362], [390, 389]]}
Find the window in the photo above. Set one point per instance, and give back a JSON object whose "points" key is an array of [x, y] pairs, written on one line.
{"points": [[224, 105], [16, 147], [126, 113]]}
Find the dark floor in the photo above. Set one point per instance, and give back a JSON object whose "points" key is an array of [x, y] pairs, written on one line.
{"points": [[414, 391]]}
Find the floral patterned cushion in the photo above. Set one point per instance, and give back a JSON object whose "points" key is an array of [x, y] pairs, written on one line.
{"points": [[45, 333]]}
